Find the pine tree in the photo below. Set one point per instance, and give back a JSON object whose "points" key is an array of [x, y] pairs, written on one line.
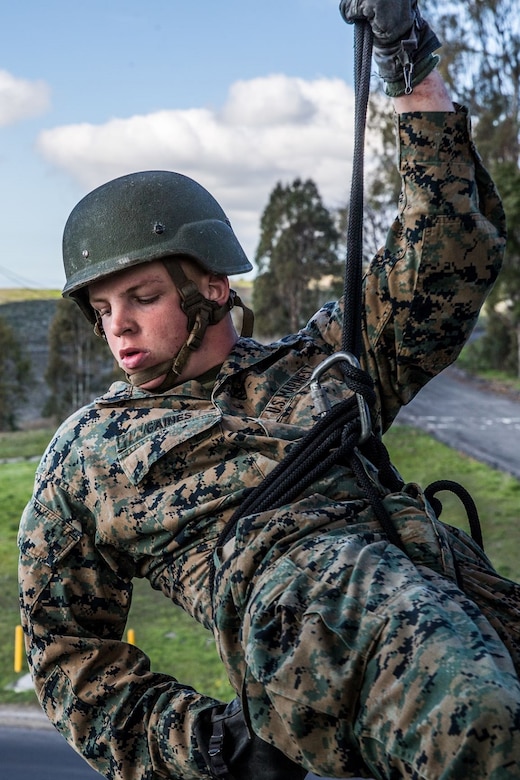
{"points": [[297, 258]]}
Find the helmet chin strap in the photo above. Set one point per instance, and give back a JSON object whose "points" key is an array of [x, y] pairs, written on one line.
{"points": [[201, 313]]}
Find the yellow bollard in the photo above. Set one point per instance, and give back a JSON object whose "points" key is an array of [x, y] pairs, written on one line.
{"points": [[18, 649], [130, 637]]}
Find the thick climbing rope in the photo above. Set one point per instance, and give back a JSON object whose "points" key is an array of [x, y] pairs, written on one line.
{"points": [[354, 258], [352, 295], [469, 505]]}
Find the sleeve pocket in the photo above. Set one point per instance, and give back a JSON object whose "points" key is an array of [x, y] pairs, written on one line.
{"points": [[44, 539]]}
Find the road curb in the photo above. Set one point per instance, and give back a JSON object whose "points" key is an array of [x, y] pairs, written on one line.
{"points": [[30, 717]]}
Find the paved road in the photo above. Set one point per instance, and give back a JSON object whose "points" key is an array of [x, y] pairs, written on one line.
{"points": [[44, 755], [40, 754], [31, 749], [470, 418]]}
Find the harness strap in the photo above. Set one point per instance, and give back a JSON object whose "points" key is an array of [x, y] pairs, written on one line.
{"points": [[332, 440]]}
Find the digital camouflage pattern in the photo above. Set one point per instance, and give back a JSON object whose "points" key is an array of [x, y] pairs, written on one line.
{"points": [[347, 654]]}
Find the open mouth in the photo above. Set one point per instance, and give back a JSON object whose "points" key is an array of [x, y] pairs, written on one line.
{"points": [[132, 358]]}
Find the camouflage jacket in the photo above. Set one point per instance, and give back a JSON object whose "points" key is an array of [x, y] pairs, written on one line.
{"points": [[141, 484]]}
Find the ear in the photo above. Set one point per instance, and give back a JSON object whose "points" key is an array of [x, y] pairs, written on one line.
{"points": [[217, 288]]}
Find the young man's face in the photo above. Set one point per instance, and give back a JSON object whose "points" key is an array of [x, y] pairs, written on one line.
{"points": [[141, 316]]}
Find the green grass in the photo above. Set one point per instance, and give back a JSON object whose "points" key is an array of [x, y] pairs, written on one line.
{"points": [[14, 294], [24, 444], [177, 645], [498, 381], [422, 459]]}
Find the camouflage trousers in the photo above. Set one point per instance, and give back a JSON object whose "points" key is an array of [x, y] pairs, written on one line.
{"points": [[357, 659]]}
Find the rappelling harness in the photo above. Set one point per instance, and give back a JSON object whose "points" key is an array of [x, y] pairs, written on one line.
{"points": [[343, 433]]}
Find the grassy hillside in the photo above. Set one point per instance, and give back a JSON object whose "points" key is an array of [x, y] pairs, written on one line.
{"points": [[29, 313], [15, 295]]}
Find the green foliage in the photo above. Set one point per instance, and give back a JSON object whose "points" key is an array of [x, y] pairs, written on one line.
{"points": [[495, 378], [14, 376], [297, 258], [80, 365], [420, 458], [481, 62], [501, 346], [495, 350], [383, 181]]}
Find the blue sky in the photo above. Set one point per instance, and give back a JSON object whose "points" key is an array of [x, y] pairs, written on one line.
{"points": [[238, 95]]}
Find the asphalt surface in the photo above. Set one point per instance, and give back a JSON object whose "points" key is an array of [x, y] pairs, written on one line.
{"points": [[470, 417], [40, 755], [31, 749]]}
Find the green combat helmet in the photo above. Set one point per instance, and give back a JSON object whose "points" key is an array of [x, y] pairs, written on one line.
{"points": [[153, 215]]}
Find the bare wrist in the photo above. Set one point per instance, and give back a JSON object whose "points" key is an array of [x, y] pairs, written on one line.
{"points": [[430, 94]]}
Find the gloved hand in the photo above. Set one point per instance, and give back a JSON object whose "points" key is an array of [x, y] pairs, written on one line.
{"points": [[232, 754], [403, 41]]}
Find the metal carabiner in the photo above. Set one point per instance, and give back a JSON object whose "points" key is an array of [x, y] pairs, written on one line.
{"points": [[319, 396]]}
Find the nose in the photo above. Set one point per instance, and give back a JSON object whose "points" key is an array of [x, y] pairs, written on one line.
{"points": [[121, 321]]}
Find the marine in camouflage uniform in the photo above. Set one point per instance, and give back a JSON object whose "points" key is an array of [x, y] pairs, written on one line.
{"points": [[350, 654]]}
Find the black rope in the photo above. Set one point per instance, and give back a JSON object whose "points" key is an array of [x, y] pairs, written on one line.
{"points": [[331, 440], [467, 501], [352, 292], [374, 496], [336, 437], [352, 296]]}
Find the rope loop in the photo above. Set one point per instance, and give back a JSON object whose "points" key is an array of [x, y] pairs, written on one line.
{"points": [[466, 500]]}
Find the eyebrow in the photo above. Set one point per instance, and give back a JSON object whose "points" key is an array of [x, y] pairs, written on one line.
{"points": [[129, 290]]}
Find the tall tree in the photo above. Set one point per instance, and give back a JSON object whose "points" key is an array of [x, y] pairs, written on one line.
{"points": [[14, 376], [80, 365], [297, 258]]}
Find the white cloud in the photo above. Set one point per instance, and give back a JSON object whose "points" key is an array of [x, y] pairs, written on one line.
{"points": [[269, 129], [21, 99]]}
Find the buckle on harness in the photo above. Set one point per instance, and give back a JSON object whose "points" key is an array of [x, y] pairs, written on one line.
{"points": [[321, 401]]}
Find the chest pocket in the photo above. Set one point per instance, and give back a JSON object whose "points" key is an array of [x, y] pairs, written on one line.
{"points": [[142, 446], [292, 401]]}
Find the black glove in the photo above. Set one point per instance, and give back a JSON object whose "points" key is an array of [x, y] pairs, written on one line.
{"points": [[231, 753], [403, 41]]}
